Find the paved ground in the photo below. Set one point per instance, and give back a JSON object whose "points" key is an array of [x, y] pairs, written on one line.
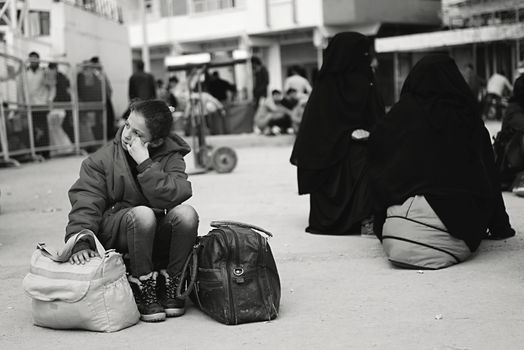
{"points": [[337, 292]]}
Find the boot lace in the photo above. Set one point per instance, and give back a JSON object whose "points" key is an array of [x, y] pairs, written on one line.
{"points": [[171, 286], [149, 291]]}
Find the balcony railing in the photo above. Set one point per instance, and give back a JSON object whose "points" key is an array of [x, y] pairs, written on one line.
{"points": [[105, 8], [200, 6]]}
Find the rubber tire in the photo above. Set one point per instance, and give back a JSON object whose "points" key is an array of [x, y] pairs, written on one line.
{"points": [[224, 160]]}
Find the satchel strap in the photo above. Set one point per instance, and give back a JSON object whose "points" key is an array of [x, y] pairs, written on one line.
{"points": [[191, 264], [66, 252], [226, 223]]}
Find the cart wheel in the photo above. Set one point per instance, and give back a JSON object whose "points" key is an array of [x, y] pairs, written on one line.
{"points": [[204, 158], [224, 160]]}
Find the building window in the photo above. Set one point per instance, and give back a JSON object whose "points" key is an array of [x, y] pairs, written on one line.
{"points": [[39, 23], [199, 6], [170, 8]]}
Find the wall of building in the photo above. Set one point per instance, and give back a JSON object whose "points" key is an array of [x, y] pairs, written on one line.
{"points": [[344, 12], [196, 27], [86, 35], [282, 15]]}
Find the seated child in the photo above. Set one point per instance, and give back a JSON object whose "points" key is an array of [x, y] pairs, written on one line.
{"points": [[130, 194]]}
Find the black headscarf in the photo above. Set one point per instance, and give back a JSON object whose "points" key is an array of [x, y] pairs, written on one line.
{"points": [[431, 141], [344, 98], [518, 92]]}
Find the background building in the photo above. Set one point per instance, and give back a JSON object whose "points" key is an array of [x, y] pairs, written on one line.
{"points": [[486, 33], [70, 31], [281, 32]]}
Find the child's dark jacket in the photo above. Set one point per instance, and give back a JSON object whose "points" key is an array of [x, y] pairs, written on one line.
{"points": [[107, 185]]}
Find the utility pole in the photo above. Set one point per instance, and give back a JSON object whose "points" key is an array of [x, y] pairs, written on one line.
{"points": [[145, 46]]}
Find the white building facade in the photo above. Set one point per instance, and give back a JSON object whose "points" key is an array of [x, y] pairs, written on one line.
{"points": [[72, 31], [281, 32]]}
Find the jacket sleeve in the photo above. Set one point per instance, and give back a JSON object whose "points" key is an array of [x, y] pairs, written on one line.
{"points": [[165, 188], [88, 197]]}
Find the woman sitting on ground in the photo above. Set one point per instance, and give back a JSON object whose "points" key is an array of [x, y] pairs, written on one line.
{"points": [[509, 143], [433, 171]]}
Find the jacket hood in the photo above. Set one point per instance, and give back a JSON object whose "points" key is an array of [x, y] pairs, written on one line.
{"points": [[172, 144]]}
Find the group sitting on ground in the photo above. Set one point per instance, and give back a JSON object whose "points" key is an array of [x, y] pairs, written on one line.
{"points": [[279, 114]]}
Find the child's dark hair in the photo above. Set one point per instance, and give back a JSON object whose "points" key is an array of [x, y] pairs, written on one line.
{"points": [[157, 115]]}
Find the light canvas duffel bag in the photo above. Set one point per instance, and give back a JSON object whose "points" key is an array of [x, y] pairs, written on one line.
{"points": [[95, 296], [413, 236]]}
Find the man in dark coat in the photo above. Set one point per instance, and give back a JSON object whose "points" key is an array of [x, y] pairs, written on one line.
{"points": [[130, 195], [141, 84]]}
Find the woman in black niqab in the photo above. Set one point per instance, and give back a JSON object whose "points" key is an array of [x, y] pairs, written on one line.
{"points": [[433, 143], [331, 166], [509, 144]]}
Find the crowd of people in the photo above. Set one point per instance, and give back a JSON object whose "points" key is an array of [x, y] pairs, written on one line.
{"points": [[49, 95]]}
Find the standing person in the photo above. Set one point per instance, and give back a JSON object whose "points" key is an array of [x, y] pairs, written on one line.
{"points": [[39, 88], [509, 143], [221, 89], [497, 87], [110, 112], [330, 148], [61, 130], [260, 80], [166, 93], [297, 82], [141, 84], [89, 86], [130, 194], [433, 172]]}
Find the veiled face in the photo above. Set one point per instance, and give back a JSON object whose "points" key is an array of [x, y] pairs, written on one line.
{"points": [[347, 51]]}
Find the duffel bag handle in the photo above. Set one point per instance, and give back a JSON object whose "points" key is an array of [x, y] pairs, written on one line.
{"points": [[65, 254], [191, 264], [221, 223]]}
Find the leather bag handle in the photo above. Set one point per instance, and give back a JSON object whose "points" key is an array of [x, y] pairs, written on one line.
{"points": [[191, 264], [222, 223]]}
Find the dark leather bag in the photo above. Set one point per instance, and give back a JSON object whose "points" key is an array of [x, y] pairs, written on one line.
{"points": [[237, 279]]}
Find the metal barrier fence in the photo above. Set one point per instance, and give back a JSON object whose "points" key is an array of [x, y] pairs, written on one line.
{"points": [[49, 109]]}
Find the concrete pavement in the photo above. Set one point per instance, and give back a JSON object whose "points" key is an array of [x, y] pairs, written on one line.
{"points": [[337, 292]]}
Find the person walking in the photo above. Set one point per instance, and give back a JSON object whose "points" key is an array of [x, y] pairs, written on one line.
{"points": [[330, 148]]}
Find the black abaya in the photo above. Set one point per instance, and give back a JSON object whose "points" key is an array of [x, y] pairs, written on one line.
{"points": [[331, 167], [433, 143]]}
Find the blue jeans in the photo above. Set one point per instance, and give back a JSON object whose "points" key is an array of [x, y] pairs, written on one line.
{"points": [[153, 241]]}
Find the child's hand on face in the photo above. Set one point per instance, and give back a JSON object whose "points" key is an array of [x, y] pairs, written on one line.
{"points": [[138, 150]]}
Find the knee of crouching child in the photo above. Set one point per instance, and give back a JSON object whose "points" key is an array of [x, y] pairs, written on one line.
{"points": [[185, 215]]}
